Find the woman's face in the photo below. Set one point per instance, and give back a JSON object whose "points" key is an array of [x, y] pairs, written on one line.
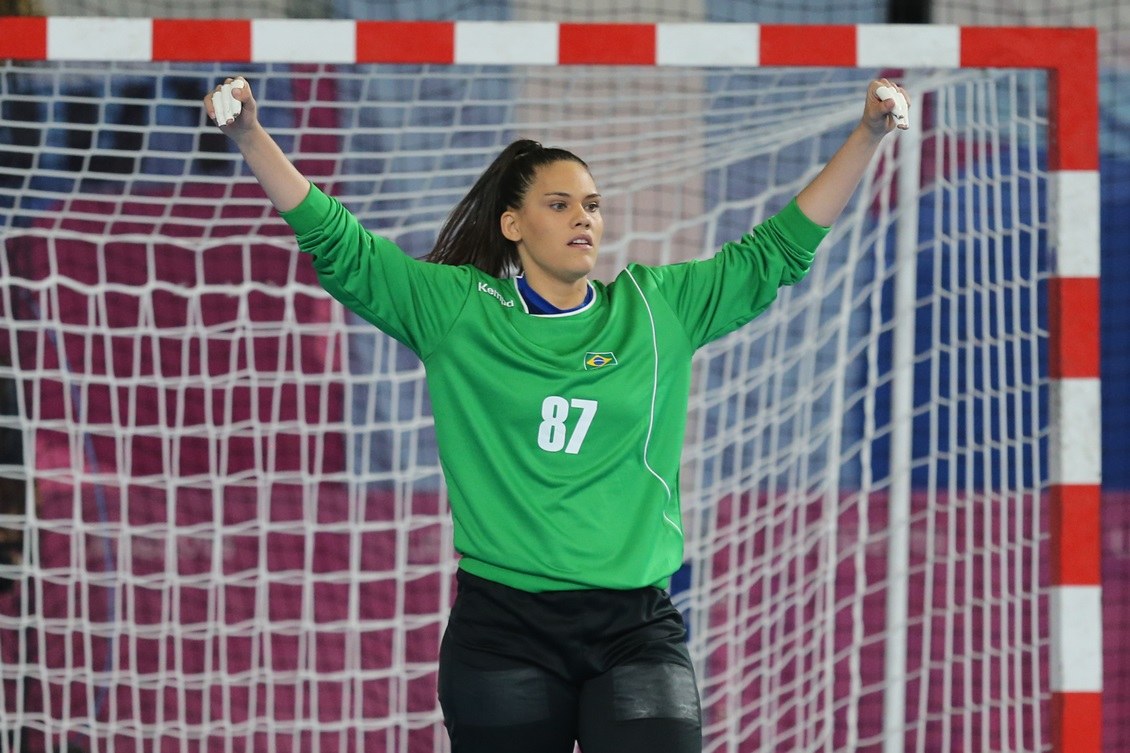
{"points": [[557, 229]]}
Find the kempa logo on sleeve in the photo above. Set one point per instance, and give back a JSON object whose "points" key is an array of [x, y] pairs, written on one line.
{"points": [[484, 288]]}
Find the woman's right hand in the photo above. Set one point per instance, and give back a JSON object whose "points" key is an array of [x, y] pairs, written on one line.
{"points": [[246, 119], [284, 185]]}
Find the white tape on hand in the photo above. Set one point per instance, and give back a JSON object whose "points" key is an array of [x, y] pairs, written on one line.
{"points": [[227, 107], [900, 112]]}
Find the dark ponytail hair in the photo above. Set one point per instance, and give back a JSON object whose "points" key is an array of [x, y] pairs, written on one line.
{"points": [[472, 233]]}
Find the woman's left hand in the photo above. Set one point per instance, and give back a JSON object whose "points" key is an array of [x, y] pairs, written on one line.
{"points": [[879, 114]]}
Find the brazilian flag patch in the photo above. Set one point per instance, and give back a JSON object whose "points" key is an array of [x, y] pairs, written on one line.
{"points": [[599, 360]]}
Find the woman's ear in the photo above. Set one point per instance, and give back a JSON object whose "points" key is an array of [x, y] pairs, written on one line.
{"points": [[508, 223]]}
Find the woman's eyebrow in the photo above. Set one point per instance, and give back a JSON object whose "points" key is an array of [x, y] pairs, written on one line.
{"points": [[568, 195]]}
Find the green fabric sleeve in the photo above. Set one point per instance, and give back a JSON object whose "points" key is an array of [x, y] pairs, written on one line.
{"points": [[310, 213], [713, 297], [414, 301], [800, 230]]}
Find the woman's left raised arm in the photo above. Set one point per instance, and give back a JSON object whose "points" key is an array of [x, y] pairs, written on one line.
{"points": [[825, 197]]}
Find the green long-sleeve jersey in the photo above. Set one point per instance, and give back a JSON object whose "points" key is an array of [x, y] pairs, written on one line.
{"points": [[560, 437]]}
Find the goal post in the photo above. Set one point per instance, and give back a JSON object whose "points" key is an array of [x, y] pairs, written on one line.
{"points": [[234, 535]]}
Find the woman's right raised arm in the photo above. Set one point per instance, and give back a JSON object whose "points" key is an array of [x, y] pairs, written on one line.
{"points": [[280, 179]]}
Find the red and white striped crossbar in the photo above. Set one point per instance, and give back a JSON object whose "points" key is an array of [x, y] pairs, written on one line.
{"points": [[1069, 55]]}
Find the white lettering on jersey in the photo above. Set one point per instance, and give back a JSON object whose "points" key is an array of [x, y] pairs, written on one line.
{"points": [[484, 288]]}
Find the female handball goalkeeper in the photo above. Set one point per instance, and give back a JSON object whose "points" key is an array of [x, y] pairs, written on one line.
{"points": [[560, 407]]}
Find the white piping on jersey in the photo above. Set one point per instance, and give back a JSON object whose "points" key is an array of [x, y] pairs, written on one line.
{"points": [[654, 392]]}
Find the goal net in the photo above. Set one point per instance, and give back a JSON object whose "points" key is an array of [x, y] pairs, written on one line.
{"points": [[232, 531]]}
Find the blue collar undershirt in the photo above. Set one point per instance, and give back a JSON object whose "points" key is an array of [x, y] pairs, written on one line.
{"points": [[538, 305]]}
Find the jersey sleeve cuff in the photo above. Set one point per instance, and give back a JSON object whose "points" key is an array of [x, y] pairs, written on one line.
{"points": [[796, 226], [310, 214]]}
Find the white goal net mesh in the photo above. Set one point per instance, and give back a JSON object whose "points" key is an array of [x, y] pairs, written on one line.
{"points": [[231, 527]]}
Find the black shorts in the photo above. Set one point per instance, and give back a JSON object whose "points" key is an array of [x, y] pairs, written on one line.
{"points": [[533, 672]]}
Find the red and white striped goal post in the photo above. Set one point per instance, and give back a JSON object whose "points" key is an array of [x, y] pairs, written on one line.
{"points": [[1069, 55]]}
